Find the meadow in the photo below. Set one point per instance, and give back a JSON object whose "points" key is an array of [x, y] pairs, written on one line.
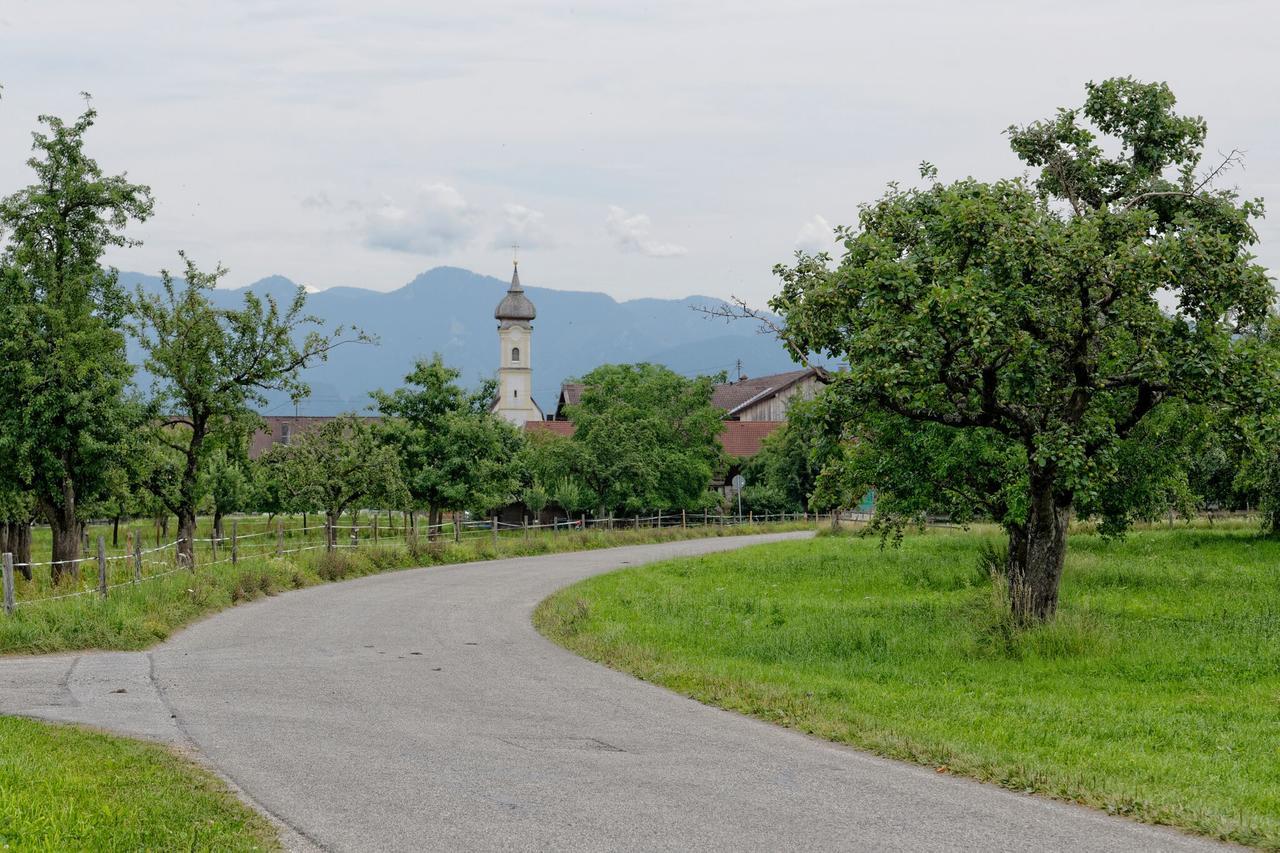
{"points": [[1154, 694]]}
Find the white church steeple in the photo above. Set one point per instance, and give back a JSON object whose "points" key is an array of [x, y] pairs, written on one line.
{"points": [[515, 314]]}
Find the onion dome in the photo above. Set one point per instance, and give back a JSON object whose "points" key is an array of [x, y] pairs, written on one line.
{"points": [[515, 307]]}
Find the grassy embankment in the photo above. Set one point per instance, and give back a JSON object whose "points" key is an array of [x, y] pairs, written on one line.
{"points": [[1155, 694], [136, 616], [66, 788]]}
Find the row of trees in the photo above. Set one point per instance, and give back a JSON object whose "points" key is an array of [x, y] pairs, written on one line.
{"points": [[79, 438]]}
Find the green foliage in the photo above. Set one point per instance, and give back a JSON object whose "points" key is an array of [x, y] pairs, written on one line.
{"points": [[339, 465], [1017, 324], [63, 371], [786, 475], [646, 438], [455, 453], [211, 368]]}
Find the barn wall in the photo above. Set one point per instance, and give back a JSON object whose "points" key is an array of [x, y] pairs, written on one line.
{"points": [[775, 408]]}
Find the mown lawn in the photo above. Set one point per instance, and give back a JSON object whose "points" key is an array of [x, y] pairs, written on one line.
{"points": [[1155, 694], [66, 788]]}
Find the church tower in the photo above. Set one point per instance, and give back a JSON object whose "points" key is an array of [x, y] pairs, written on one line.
{"points": [[515, 315]]}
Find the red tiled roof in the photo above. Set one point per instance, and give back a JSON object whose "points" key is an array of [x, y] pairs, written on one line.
{"points": [[558, 427], [740, 439], [743, 438]]}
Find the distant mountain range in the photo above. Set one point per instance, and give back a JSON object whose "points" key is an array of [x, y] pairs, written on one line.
{"points": [[450, 311]]}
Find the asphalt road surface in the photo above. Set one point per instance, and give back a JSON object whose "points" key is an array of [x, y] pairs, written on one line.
{"points": [[420, 710]]}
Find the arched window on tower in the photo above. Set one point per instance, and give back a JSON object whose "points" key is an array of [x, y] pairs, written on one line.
{"points": [[515, 353]]}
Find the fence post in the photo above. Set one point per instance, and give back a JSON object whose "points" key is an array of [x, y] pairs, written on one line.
{"points": [[102, 566], [328, 534], [137, 556], [637, 522], [279, 537], [8, 583], [525, 520], [457, 527], [375, 528], [235, 542], [494, 527], [355, 535], [751, 517], [659, 519], [582, 522], [684, 520]]}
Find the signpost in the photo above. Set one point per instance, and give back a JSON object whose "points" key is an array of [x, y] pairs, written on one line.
{"points": [[738, 482]]}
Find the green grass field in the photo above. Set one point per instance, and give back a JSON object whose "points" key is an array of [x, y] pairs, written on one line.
{"points": [[135, 616], [66, 788], [1155, 694]]}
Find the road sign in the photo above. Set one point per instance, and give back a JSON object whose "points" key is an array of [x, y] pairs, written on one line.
{"points": [[738, 482]]}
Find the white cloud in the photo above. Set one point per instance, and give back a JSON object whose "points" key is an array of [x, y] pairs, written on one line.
{"points": [[318, 201], [631, 234], [816, 235], [525, 226], [437, 220]]}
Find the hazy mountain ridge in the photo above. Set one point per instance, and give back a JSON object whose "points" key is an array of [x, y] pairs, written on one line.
{"points": [[450, 310]]}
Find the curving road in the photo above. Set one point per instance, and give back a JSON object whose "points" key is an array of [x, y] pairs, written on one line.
{"points": [[420, 711]]}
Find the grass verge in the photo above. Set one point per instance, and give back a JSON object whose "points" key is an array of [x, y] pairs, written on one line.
{"points": [[138, 616], [1155, 694], [67, 788]]}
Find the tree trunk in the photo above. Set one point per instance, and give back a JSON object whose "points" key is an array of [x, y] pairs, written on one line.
{"points": [[217, 524], [187, 537], [115, 532], [1036, 553], [20, 545], [65, 529], [434, 516], [331, 529], [15, 538]]}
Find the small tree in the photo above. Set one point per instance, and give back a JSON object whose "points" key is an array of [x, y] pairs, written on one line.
{"points": [[339, 465], [648, 438], [63, 370], [1017, 326], [455, 453], [212, 367], [230, 484]]}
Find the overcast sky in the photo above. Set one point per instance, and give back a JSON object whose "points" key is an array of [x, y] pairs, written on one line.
{"points": [[638, 148]]}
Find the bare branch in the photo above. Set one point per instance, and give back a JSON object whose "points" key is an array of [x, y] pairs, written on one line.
{"points": [[738, 309]]}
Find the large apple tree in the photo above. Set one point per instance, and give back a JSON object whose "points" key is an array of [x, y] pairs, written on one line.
{"points": [[1026, 329]]}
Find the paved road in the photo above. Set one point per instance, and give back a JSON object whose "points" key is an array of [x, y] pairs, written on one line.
{"points": [[421, 711]]}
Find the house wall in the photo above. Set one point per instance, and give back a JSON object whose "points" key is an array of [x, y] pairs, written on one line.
{"points": [[774, 408]]}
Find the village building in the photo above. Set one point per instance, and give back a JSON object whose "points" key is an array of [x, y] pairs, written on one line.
{"points": [[515, 315], [753, 407]]}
